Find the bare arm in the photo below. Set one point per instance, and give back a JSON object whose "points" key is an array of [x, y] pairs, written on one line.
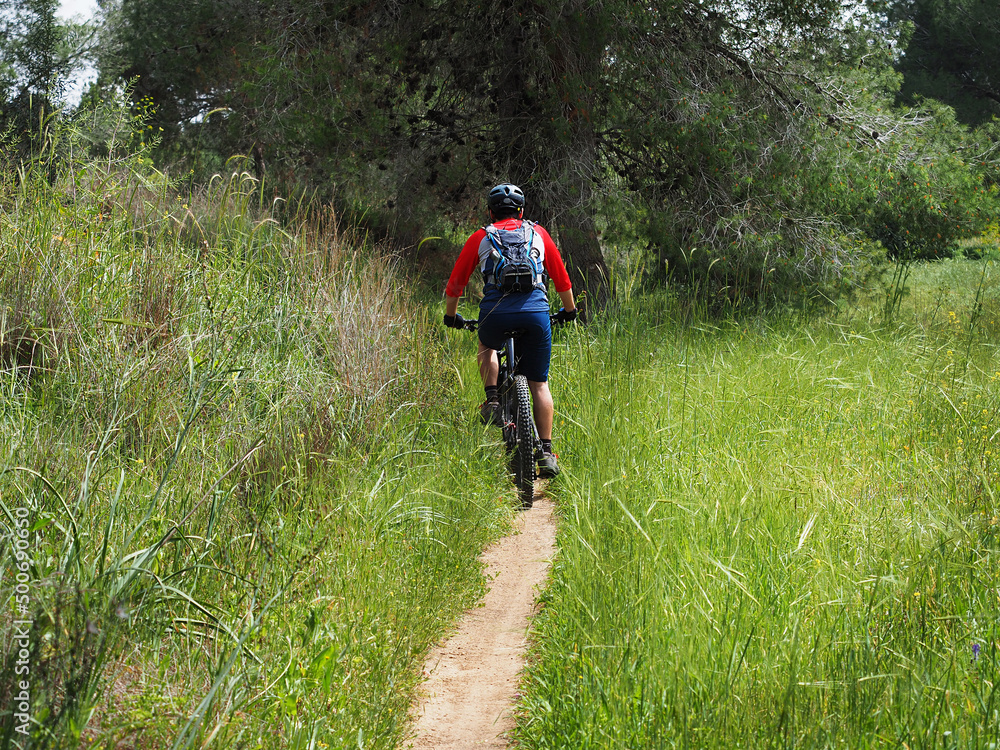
{"points": [[565, 297]]}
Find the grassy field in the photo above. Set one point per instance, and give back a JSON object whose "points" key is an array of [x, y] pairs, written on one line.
{"points": [[237, 505], [242, 489], [779, 532]]}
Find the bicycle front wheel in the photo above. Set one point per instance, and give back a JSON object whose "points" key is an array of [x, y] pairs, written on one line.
{"points": [[522, 460]]}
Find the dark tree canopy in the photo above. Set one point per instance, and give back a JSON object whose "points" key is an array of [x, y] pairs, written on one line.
{"points": [[713, 136], [953, 54]]}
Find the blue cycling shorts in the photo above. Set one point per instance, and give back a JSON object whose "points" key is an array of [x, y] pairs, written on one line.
{"points": [[532, 349]]}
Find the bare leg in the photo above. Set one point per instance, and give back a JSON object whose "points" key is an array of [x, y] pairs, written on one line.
{"points": [[541, 400], [489, 364]]}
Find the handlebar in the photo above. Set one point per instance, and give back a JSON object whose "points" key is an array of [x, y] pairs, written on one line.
{"points": [[472, 325]]}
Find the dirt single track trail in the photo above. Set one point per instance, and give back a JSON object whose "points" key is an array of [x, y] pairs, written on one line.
{"points": [[469, 694]]}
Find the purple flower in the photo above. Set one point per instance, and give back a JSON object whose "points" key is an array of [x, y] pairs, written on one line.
{"points": [[975, 652]]}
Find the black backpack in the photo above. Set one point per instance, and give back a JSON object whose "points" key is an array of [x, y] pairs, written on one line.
{"points": [[517, 266]]}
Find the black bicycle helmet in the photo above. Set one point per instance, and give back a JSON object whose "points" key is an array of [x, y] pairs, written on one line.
{"points": [[505, 198]]}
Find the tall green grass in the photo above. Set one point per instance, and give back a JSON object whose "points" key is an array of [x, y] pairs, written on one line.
{"points": [[778, 533], [251, 506]]}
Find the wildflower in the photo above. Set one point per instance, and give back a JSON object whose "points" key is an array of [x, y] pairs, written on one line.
{"points": [[975, 652]]}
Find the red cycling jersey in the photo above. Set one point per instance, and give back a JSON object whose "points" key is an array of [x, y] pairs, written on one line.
{"points": [[477, 248]]}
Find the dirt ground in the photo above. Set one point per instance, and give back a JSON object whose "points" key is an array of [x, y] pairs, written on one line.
{"points": [[472, 677]]}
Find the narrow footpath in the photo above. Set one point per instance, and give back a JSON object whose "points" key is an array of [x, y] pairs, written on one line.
{"points": [[472, 677]]}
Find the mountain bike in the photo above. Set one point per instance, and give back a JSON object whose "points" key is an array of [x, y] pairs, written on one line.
{"points": [[520, 434]]}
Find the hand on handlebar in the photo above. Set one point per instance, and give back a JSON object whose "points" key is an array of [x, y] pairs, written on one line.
{"points": [[564, 315], [454, 321], [459, 323]]}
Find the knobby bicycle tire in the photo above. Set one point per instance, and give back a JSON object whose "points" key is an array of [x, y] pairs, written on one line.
{"points": [[523, 458], [508, 412]]}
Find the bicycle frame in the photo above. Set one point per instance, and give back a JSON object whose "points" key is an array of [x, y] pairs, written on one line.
{"points": [[522, 442], [507, 357]]}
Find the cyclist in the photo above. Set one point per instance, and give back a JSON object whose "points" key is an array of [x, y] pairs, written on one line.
{"points": [[501, 311]]}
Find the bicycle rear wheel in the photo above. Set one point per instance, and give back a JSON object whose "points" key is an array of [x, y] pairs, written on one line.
{"points": [[522, 460]]}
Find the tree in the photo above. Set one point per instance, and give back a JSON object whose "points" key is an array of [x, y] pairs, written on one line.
{"points": [[37, 54], [703, 132], [30, 67], [586, 102], [952, 54]]}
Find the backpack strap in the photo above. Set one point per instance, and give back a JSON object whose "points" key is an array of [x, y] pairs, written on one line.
{"points": [[538, 268], [493, 234]]}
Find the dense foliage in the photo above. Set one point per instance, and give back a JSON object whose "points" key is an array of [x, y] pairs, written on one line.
{"points": [[37, 54], [716, 135], [746, 152], [952, 54]]}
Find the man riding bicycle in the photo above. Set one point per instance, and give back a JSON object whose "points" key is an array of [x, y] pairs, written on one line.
{"points": [[520, 306]]}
